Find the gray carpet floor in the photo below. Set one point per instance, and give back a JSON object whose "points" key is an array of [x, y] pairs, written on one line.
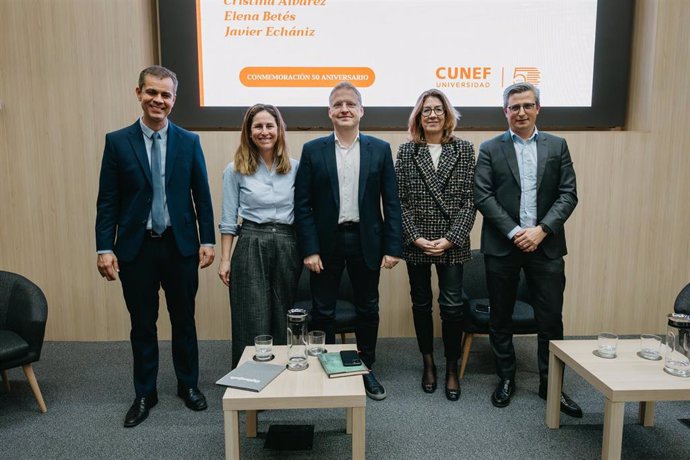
{"points": [[87, 389]]}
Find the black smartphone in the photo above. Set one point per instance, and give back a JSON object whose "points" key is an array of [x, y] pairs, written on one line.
{"points": [[350, 358]]}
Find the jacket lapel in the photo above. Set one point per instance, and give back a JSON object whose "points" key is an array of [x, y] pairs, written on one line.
{"points": [[449, 157], [170, 151], [422, 158], [542, 156], [136, 139], [433, 179], [510, 156], [364, 165], [331, 167]]}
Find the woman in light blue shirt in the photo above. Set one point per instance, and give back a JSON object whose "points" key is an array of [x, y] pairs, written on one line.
{"points": [[258, 188]]}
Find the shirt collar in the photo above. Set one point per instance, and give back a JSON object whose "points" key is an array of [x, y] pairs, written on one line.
{"points": [[337, 142], [148, 132], [263, 164], [516, 138]]}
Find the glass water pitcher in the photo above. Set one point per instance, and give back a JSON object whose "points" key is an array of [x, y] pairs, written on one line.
{"points": [[297, 339], [677, 358]]}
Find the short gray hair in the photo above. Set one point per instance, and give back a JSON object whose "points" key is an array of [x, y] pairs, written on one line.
{"points": [[345, 85], [520, 88]]}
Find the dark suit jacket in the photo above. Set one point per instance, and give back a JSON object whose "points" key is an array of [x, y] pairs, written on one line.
{"points": [[317, 200], [497, 192], [436, 203], [126, 192]]}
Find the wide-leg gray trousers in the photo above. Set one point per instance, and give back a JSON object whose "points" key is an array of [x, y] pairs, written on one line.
{"points": [[264, 272]]}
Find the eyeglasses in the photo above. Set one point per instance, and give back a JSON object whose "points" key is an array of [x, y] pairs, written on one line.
{"points": [[527, 106], [426, 111]]}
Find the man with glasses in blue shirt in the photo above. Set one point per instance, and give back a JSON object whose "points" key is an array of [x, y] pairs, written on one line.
{"points": [[525, 188]]}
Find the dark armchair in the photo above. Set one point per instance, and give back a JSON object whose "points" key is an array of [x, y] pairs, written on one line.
{"points": [[476, 309], [345, 315], [23, 313]]}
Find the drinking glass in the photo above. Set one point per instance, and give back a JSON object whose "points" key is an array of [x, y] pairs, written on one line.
{"points": [[316, 341], [607, 344], [263, 347], [650, 346]]}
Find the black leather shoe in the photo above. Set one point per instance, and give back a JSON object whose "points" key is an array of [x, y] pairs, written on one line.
{"points": [[192, 397], [429, 387], [373, 388], [568, 406], [504, 391], [139, 410]]}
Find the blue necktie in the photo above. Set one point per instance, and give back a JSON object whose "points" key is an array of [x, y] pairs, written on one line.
{"points": [[157, 213]]}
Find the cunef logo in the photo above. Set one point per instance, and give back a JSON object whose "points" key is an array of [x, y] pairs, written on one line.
{"points": [[463, 77]]}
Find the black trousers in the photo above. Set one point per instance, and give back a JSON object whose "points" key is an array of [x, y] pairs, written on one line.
{"points": [[264, 272], [450, 304], [160, 264], [365, 285], [546, 282]]}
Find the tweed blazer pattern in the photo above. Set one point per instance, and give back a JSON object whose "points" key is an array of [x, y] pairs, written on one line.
{"points": [[436, 203]]}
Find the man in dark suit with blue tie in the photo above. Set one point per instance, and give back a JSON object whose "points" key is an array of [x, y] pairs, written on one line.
{"points": [[153, 210], [343, 184], [525, 188]]}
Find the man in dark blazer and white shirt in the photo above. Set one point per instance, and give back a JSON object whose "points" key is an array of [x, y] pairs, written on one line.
{"points": [[153, 206], [343, 183], [525, 189]]}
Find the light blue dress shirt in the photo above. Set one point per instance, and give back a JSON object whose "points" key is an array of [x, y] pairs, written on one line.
{"points": [[526, 154], [263, 197]]}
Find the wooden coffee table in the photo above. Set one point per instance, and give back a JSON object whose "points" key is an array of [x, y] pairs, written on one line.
{"points": [[307, 389], [623, 379]]}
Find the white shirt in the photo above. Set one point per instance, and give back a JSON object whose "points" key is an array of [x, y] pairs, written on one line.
{"points": [[347, 162], [435, 151]]}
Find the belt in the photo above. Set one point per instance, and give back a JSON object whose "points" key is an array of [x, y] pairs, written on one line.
{"points": [[348, 227], [151, 234], [266, 225]]}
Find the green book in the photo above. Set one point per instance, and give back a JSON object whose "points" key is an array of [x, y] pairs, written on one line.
{"points": [[333, 366]]}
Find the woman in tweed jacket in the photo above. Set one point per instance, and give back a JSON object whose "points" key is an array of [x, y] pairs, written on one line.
{"points": [[435, 171]]}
